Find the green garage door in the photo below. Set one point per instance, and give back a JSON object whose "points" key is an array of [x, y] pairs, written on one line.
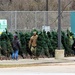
{"points": [[72, 17]]}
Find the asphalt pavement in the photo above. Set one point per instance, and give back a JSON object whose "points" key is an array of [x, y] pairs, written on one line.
{"points": [[42, 66]]}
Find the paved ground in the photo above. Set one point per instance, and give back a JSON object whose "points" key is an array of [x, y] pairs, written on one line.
{"points": [[43, 66], [48, 61]]}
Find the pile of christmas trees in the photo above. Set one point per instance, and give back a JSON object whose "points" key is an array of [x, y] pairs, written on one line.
{"points": [[46, 43]]}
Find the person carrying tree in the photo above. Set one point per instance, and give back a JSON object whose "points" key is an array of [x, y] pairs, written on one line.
{"points": [[73, 47]]}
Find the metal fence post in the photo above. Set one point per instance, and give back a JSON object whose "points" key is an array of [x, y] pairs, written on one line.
{"points": [[15, 20], [11, 22], [35, 20]]}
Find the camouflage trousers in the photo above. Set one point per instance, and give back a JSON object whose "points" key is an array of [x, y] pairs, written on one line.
{"points": [[33, 50]]}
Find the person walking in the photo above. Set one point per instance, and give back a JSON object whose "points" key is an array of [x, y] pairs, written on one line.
{"points": [[16, 47], [33, 44]]}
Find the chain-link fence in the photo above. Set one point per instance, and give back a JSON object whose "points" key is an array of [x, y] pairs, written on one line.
{"points": [[28, 20]]}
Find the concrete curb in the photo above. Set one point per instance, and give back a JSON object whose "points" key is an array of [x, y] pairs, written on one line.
{"points": [[40, 62]]}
